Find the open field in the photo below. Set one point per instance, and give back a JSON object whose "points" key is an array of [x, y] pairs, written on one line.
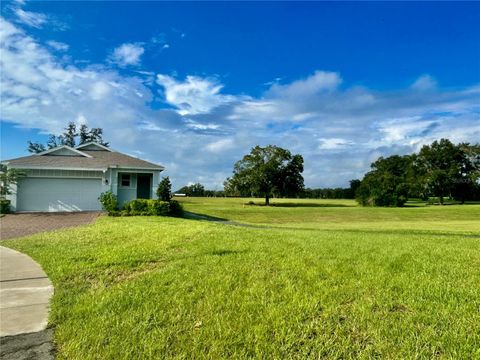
{"points": [[326, 279]]}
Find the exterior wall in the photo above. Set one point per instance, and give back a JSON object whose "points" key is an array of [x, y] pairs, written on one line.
{"points": [[127, 194]]}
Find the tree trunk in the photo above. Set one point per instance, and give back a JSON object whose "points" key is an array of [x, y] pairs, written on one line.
{"points": [[441, 199], [267, 200]]}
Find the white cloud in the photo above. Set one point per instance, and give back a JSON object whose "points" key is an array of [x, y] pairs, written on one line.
{"points": [[334, 143], [424, 83], [312, 85], [127, 54], [220, 145], [193, 96], [56, 45], [99, 90], [191, 124], [36, 20]]}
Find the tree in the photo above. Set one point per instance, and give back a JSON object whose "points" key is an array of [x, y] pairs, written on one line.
{"points": [[83, 134], [8, 178], [268, 171], [386, 184], [69, 137], [35, 147], [96, 135], [164, 190], [354, 185], [440, 166]]}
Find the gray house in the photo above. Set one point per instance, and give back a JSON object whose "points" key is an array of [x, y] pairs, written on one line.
{"points": [[72, 179]]}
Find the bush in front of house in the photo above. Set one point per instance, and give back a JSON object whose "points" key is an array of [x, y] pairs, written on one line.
{"points": [[4, 206], [150, 207], [109, 202], [140, 207]]}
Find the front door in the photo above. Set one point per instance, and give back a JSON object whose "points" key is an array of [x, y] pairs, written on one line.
{"points": [[144, 186]]}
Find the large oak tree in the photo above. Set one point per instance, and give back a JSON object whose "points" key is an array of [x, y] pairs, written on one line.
{"points": [[267, 171]]}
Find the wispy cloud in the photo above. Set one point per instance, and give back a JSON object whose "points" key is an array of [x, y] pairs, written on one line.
{"points": [[57, 45], [33, 19]]}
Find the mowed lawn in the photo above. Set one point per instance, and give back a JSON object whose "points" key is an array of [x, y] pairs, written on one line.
{"points": [[311, 279]]}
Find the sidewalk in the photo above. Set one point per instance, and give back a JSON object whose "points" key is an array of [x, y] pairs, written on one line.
{"points": [[25, 292]]}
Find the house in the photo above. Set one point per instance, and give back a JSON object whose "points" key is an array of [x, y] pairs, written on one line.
{"points": [[72, 179]]}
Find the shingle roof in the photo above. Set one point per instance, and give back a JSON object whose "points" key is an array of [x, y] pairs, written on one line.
{"points": [[99, 160]]}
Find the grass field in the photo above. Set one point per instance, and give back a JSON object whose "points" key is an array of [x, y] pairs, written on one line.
{"points": [[316, 279]]}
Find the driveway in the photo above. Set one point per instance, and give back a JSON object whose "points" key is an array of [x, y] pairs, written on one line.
{"points": [[17, 225]]}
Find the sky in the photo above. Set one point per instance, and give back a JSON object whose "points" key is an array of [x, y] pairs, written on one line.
{"points": [[194, 86]]}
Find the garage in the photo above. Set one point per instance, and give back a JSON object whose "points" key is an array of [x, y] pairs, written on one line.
{"points": [[61, 194]]}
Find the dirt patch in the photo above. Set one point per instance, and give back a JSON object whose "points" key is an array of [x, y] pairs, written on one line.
{"points": [[18, 225]]}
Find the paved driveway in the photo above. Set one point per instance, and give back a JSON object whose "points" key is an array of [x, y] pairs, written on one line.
{"points": [[16, 225]]}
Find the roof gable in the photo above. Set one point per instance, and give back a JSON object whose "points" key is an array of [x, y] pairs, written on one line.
{"points": [[93, 146], [63, 150]]}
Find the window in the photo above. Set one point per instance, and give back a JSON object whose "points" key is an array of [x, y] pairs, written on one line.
{"points": [[125, 180]]}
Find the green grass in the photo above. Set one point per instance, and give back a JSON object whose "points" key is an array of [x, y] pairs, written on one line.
{"points": [[324, 280]]}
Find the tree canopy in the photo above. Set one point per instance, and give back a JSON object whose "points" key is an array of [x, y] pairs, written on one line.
{"points": [[440, 169], [70, 137], [446, 169], [386, 184], [267, 171]]}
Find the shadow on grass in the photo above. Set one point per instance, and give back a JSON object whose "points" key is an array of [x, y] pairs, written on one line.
{"points": [[223, 252], [194, 216], [289, 205]]}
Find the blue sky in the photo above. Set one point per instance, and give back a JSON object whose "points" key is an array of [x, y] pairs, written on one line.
{"points": [[193, 86]]}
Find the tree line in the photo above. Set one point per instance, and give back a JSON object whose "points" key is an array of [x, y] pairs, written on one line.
{"points": [[441, 169], [71, 136]]}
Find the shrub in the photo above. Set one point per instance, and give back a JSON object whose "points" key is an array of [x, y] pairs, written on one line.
{"points": [[137, 206], [150, 207], [175, 208], [159, 208], [109, 202], [4, 206]]}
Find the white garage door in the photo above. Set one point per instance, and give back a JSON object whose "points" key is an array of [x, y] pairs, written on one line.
{"points": [[50, 194]]}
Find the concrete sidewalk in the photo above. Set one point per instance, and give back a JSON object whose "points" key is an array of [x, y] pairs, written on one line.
{"points": [[25, 292]]}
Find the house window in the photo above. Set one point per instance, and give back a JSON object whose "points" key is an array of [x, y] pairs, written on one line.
{"points": [[125, 180]]}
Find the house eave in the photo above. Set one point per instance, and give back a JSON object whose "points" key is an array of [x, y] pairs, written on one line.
{"points": [[39, 167], [159, 168]]}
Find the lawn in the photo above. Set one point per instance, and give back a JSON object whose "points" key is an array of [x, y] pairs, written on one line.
{"points": [[312, 279]]}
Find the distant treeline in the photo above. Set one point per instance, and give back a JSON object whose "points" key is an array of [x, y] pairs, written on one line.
{"points": [[441, 169], [331, 193], [198, 190]]}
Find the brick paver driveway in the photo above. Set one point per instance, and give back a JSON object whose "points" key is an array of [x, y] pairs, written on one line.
{"points": [[16, 225]]}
